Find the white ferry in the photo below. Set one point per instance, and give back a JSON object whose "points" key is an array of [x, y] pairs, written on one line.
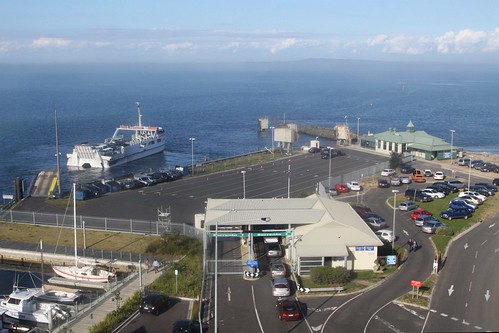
{"points": [[129, 143]]}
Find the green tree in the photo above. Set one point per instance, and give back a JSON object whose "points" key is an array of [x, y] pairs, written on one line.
{"points": [[395, 160]]}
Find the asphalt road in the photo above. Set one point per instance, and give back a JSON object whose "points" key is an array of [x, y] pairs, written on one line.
{"points": [[187, 196], [467, 294]]}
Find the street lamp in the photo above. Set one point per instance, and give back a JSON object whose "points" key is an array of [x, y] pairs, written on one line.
{"points": [[272, 128], [451, 147], [244, 183], [469, 173], [192, 154], [394, 210], [358, 133], [329, 177]]}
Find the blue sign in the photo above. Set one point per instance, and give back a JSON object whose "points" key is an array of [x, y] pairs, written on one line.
{"points": [[252, 263], [391, 260]]}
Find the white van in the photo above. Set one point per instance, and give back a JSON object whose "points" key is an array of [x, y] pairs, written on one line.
{"points": [[464, 161]]}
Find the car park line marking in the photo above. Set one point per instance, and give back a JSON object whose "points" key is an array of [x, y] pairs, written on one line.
{"points": [[473, 270], [454, 318], [485, 241], [469, 289], [444, 315], [476, 254], [405, 232], [256, 310], [492, 225]]}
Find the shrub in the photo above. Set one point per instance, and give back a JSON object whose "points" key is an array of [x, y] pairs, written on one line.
{"points": [[445, 231], [330, 275]]}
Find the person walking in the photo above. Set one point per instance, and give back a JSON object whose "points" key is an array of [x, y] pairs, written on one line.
{"points": [[155, 265], [415, 245], [410, 244]]}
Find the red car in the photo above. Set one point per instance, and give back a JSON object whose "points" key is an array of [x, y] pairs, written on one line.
{"points": [[287, 310], [420, 212], [341, 188]]}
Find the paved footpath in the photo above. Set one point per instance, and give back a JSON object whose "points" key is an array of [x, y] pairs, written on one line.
{"points": [[97, 313]]}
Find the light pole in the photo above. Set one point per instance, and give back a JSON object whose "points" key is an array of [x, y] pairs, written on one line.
{"points": [[358, 133], [394, 210], [244, 183], [192, 154], [289, 179], [272, 129], [451, 148], [469, 173], [329, 177]]}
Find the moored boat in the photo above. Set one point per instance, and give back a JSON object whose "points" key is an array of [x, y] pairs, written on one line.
{"points": [[129, 143], [21, 307]]}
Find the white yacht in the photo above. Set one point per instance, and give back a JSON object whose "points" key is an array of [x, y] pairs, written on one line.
{"points": [[129, 143]]}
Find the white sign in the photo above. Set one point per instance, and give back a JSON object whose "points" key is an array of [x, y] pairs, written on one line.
{"points": [[176, 272], [8, 197]]}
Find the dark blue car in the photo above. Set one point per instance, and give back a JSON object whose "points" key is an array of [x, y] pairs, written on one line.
{"points": [[459, 213]]}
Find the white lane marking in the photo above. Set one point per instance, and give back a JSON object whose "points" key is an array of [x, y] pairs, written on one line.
{"points": [[469, 289], [485, 241], [444, 314], [256, 311], [473, 270], [476, 254], [303, 315]]}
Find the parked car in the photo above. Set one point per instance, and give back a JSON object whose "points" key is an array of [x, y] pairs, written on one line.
{"points": [[439, 175], [314, 150], [420, 220], [475, 200], [387, 172], [359, 209], [439, 188], [376, 223], [405, 180], [433, 193], [430, 227], [341, 188], [461, 203], [383, 183], [408, 206], [417, 195], [154, 303], [456, 183], [473, 193], [428, 173], [482, 190], [280, 287], [464, 161], [146, 180], [385, 235], [492, 187], [451, 213], [287, 310], [451, 188], [418, 177], [395, 181], [273, 250], [331, 190], [354, 186], [473, 163], [420, 212], [278, 269], [407, 169], [495, 182]]}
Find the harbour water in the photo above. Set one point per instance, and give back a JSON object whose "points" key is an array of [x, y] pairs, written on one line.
{"points": [[219, 106]]}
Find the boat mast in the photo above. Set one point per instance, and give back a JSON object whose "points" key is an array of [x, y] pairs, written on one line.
{"points": [[41, 257], [140, 116], [57, 154], [74, 224]]}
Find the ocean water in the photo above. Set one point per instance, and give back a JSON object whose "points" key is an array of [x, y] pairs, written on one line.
{"points": [[219, 105]]}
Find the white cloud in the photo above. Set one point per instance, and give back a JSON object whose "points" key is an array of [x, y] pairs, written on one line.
{"points": [[377, 40], [492, 44], [465, 41], [178, 46], [8, 46], [50, 42], [282, 45]]}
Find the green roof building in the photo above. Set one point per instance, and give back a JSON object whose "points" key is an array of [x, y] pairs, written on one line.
{"points": [[418, 143]]}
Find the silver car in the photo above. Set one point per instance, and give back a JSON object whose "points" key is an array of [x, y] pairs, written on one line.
{"points": [[277, 269], [430, 227], [408, 205], [280, 287]]}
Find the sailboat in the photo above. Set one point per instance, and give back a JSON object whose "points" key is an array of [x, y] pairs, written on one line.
{"points": [[86, 272]]}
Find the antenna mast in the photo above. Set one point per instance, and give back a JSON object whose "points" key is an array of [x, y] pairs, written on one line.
{"points": [[140, 116]]}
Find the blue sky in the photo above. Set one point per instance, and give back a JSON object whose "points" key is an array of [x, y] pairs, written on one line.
{"points": [[244, 31]]}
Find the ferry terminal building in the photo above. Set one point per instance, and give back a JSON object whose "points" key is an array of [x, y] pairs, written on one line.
{"points": [[418, 143]]}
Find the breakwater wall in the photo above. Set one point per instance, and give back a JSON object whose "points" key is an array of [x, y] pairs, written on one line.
{"points": [[321, 132]]}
